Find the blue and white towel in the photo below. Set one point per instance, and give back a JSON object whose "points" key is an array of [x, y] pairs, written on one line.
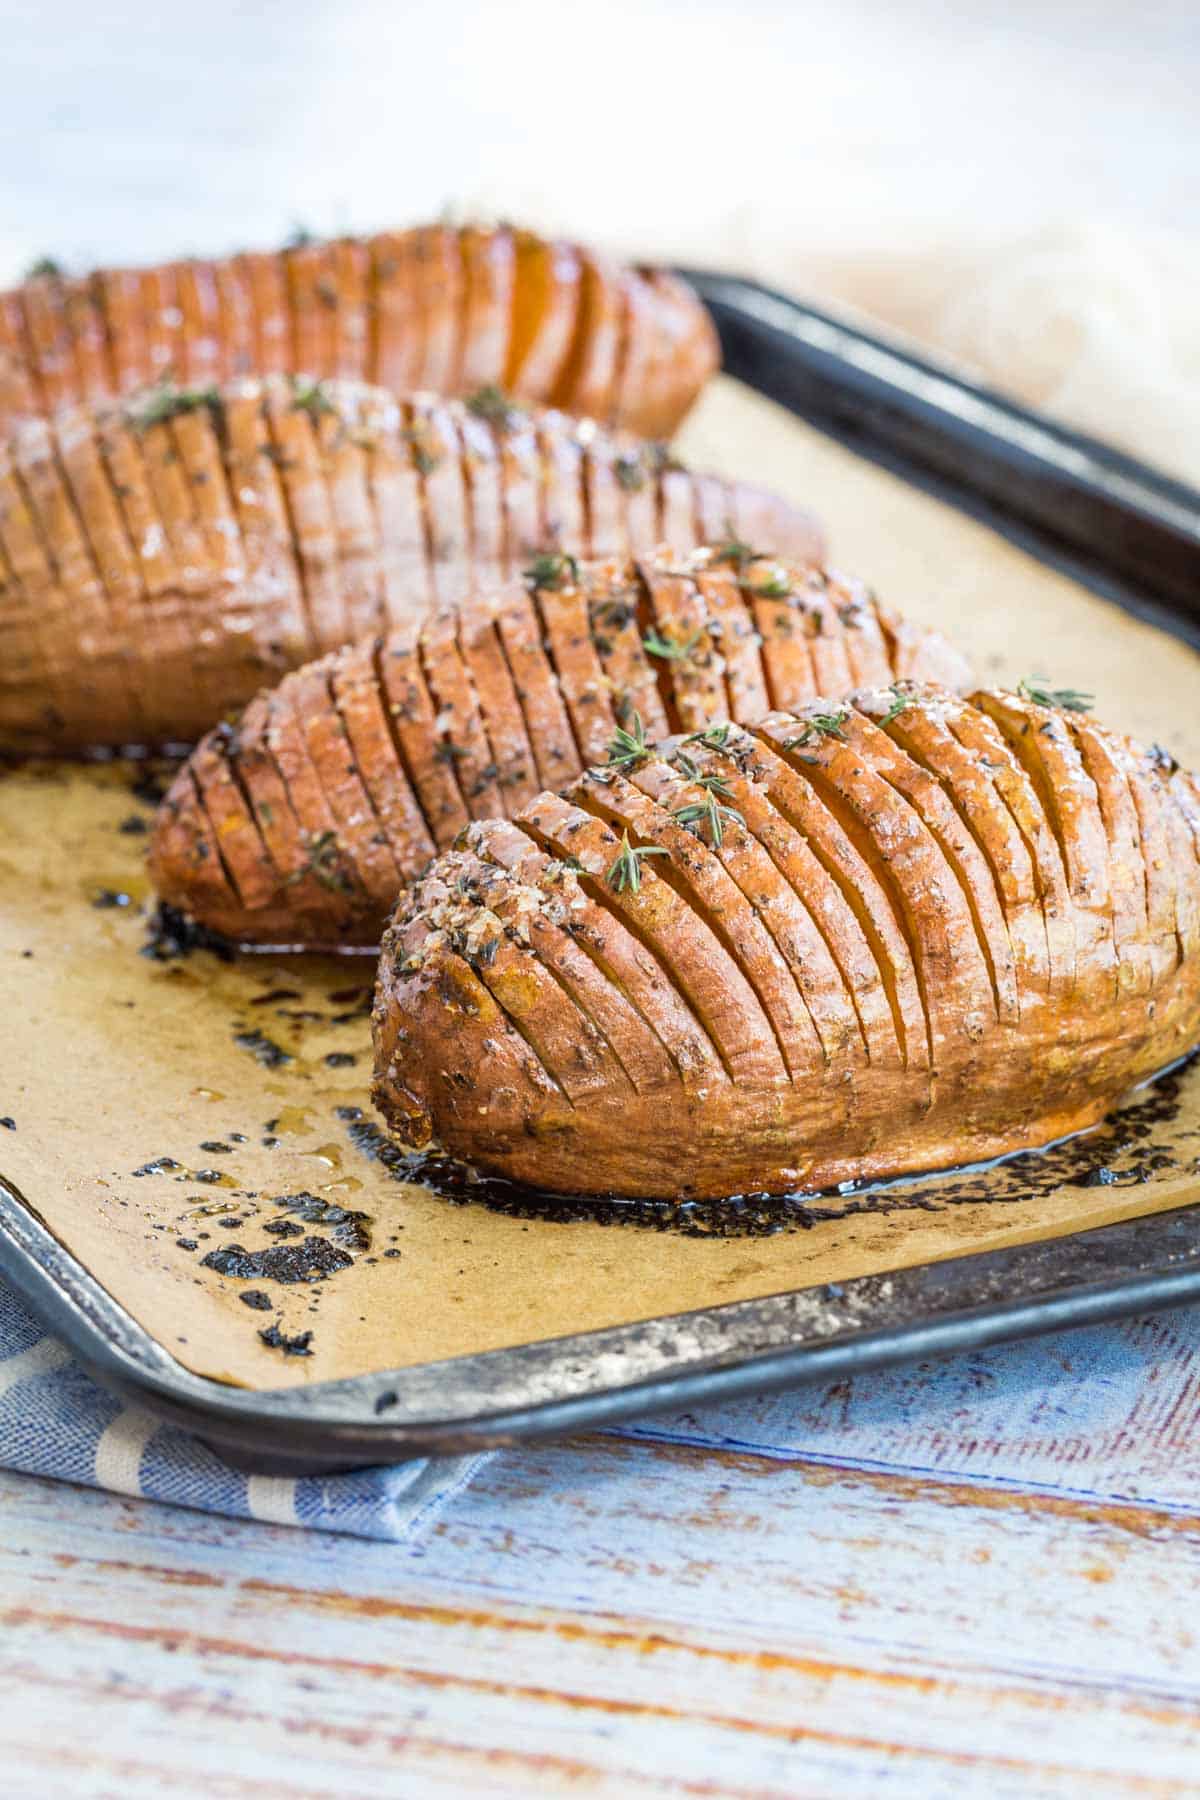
{"points": [[1113, 1410], [55, 1420]]}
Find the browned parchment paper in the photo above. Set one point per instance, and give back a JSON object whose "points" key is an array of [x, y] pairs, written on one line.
{"points": [[109, 1060]]}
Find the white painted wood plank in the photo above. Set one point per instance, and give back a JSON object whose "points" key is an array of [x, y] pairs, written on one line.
{"points": [[621, 1617]]}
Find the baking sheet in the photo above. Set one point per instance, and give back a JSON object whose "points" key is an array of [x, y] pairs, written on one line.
{"points": [[112, 1062]]}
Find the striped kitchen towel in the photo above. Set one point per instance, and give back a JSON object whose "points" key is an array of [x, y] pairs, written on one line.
{"points": [[55, 1421]]}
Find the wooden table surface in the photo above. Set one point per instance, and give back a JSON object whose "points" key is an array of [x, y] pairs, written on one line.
{"points": [[610, 1616]]}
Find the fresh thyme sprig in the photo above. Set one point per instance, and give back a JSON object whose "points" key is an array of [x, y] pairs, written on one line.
{"points": [[1034, 688], [713, 737], [165, 401], [735, 551], [691, 771], [711, 811], [491, 403], [900, 703], [552, 571], [625, 872], [45, 265], [629, 472], [628, 746], [671, 649], [310, 397], [777, 586], [820, 725]]}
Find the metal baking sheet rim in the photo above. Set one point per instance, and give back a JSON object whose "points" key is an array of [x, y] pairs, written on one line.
{"points": [[599, 1378], [795, 355]]}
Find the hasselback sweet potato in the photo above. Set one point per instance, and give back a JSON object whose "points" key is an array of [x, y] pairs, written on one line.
{"points": [[408, 737], [438, 307], [160, 561], [860, 939]]}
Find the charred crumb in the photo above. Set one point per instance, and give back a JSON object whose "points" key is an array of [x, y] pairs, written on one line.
{"points": [[8, 1123], [257, 1299], [158, 1165], [215, 1148], [275, 1339], [109, 899], [209, 1177], [135, 825], [186, 1244], [340, 1059], [263, 1049], [172, 934], [313, 1259], [348, 1112]]}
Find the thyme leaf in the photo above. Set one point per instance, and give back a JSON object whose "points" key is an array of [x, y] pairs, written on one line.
{"points": [[628, 746], [1034, 688], [165, 401], [552, 571], [671, 649], [629, 472], [820, 725], [491, 403], [709, 811], [777, 586], [625, 872], [45, 265], [713, 737], [310, 397], [900, 703]]}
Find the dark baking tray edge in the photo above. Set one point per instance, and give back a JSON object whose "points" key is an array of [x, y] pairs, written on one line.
{"points": [[1120, 528], [599, 1378]]}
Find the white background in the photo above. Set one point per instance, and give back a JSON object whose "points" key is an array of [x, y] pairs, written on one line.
{"points": [[1017, 183]]}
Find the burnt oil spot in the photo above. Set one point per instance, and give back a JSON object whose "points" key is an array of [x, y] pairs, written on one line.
{"points": [[262, 1048], [172, 935], [313, 1259], [1131, 1147], [275, 1339], [352, 1230]]}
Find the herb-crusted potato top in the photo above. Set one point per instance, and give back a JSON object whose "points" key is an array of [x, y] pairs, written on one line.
{"points": [[446, 308], [301, 824], [899, 932], [161, 560]]}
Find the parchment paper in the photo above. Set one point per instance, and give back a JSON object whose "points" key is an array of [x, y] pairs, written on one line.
{"points": [[110, 1061]]}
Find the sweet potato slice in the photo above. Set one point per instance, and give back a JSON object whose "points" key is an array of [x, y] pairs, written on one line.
{"points": [[359, 701], [653, 808], [620, 618], [423, 738], [85, 324], [265, 279], [547, 723], [546, 289], [588, 384], [201, 358], [48, 336], [489, 266], [119, 298], [351, 261]]}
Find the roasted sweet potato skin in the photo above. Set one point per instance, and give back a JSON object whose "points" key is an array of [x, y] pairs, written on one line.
{"points": [[433, 307], [470, 713], [678, 879], [161, 561]]}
